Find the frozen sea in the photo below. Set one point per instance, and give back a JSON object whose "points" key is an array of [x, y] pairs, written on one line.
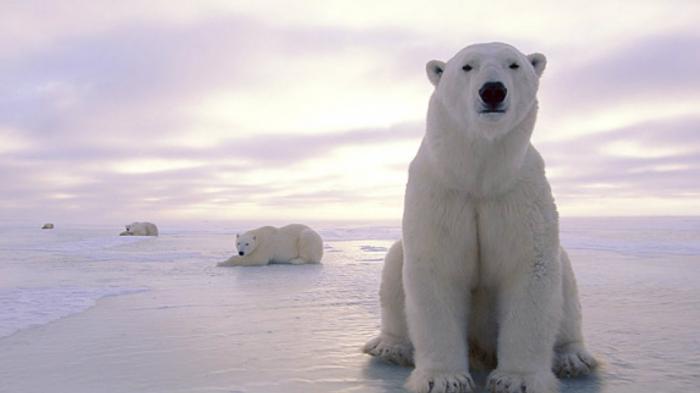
{"points": [[83, 310]]}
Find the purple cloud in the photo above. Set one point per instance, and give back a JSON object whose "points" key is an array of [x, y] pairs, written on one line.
{"points": [[88, 102], [583, 162], [655, 68]]}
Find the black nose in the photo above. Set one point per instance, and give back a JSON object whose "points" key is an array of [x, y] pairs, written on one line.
{"points": [[493, 93], [240, 253]]}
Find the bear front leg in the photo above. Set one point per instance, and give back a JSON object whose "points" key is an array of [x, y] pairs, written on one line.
{"points": [[247, 260], [529, 315], [233, 261], [439, 263], [437, 308], [440, 258]]}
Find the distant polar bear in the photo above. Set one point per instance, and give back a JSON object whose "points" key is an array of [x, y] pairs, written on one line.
{"points": [[480, 274], [295, 244], [140, 229]]}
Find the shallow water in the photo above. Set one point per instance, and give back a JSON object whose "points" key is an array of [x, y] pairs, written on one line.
{"points": [[82, 310]]}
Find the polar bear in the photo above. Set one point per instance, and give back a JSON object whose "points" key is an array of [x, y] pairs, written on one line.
{"points": [[140, 229], [480, 274], [295, 244]]}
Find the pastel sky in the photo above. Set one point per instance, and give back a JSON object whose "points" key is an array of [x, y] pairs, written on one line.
{"points": [[312, 110]]}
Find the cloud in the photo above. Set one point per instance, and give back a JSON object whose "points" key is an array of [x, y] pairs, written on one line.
{"points": [[237, 109], [91, 78], [284, 148], [653, 68], [146, 81], [657, 159], [304, 173], [266, 149]]}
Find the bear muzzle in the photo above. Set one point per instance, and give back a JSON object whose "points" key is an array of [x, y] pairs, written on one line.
{"points": [[492, 95]]}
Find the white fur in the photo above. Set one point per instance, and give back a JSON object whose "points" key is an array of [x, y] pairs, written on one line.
{"points": [[140, 229], [295, 244], [484, 275]]}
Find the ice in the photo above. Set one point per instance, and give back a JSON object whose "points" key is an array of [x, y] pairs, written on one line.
{"points": [[372, 249], [82, 310], [27, 307], [634, 236]]}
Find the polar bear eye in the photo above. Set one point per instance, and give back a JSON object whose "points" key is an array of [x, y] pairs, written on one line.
{"points": [[247, 244], [467, 68], [514, 66]]}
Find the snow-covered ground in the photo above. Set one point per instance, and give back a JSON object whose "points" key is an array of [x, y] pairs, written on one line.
{"points": [[82, 310]]}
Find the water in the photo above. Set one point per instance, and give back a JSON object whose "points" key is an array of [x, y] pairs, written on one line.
{"points": [[82, 310]]}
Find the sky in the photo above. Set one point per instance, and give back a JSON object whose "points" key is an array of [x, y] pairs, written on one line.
{"points": [[112, 112]]}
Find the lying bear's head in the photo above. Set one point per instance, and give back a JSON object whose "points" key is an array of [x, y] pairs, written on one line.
{"points": [[246, 243], [486, 88]]}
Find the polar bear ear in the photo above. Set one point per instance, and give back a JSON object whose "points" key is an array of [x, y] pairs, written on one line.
{"points": [[238, 235], [538, 61], [434, 69]]}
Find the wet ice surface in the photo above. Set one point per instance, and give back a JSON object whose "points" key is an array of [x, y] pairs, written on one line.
{"points": [[27, 307], [167, 320]]}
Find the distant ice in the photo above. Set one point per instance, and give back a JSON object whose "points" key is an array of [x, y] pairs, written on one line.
{"points": [[367, 248], [361, 233]]}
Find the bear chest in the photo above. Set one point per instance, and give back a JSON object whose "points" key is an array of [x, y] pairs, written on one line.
{"points": [[513, 233]]}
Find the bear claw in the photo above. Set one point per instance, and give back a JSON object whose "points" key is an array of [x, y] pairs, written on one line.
{"points": [[502, 382], [439, 382]]}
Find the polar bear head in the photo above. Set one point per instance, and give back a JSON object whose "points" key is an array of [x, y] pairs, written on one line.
{"points": [[246, 243], [485, 89], [128, 231]]}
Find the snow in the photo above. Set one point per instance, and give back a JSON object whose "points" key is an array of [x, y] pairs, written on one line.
{"points": [[83, 310]]}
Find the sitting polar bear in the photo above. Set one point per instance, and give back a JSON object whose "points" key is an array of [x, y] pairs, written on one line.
{"points": [[140, 229], [480, 274], [295, 244]]}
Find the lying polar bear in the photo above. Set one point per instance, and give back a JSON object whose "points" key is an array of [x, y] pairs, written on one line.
{"points": [[295, 244], [480, 270], [140, 229]]}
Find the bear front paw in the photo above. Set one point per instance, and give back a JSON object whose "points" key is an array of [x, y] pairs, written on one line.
{"points": [[390, 350], [505, 382], [233, 261], [436, 381], [573, 361]]}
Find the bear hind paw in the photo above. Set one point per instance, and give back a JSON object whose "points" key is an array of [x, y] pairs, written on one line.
{"points": [[573, 361], [390, 350]]}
